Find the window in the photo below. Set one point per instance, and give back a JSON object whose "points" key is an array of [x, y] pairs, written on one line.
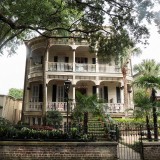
{"points": [[39, 121], [103, 94], [60, 93], [81, 60], [33, 120], [118, 94], [37, 60], [55, 59], [35, 93], [93, 60]]}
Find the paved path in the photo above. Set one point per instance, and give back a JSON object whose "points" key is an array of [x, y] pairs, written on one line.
{"points": [[126, 153]]}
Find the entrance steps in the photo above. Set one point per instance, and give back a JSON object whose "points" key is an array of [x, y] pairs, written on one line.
{"points": [[96, 128]]}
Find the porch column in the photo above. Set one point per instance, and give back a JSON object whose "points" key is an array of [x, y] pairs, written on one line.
{"points": [[47, 55], [122, 97], [97, 91], [130, 97], [97, 65], [74, 92], [45, 64], [74, 55], [25, 103], [36, 120]]}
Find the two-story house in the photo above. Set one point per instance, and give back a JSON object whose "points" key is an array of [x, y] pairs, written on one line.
{"points": [[49, 65]]}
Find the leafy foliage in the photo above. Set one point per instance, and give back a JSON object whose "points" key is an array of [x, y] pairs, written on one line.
{"points": [[147, 74], [54, 118], [22, 19], [143, 105], [129, 121], [16, 93], [85, 104], [147, 67], [4, 122], [149, 80]]}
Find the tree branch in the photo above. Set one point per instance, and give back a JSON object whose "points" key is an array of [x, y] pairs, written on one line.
{"points": [[10, 38]]}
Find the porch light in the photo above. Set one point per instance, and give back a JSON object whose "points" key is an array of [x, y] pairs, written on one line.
{"points": [[67, 85], [129, 91], [122, 87]]}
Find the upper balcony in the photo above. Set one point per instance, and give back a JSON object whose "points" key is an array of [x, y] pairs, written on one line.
{"points": [[70, 57], [79, 67]]}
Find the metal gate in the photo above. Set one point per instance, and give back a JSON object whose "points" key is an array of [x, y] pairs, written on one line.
{"points": [[129, 142]]}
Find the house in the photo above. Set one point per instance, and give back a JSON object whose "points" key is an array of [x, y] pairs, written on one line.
{"points": [[49, 65], [10, 108]]}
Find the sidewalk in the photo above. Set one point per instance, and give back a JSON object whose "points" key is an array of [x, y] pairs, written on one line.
{"points": [[126, 153]]}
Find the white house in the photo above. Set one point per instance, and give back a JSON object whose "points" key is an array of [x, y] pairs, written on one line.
{"points": [[49, 66]]}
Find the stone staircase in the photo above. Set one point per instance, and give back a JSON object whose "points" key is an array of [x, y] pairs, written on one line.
{"points": [[96, 128]]}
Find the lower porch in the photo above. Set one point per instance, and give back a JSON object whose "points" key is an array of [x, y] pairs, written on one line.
{"points": [[54, 97]]}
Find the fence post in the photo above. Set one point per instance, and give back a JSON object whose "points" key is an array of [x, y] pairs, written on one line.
{"points": [[141, 142], [117, 133]]}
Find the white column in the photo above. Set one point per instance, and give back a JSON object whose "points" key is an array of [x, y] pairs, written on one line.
{"points": [[97, 65], [74, 52], [45, 82], [122, 95], [46, 95], [97, 91], [74, 92], [74, 56], [46, 61], [36, 120]]}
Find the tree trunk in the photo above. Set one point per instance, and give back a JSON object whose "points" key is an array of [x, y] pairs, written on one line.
{"points": [[124, 72], [148, 129], [155, 124], [153, 100], [85, 123]]}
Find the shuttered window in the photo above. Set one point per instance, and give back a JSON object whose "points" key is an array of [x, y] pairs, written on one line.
{"points": [[94, 90], [118, 94], [54, 91]]}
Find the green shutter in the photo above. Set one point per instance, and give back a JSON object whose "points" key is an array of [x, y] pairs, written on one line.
{"points": [[118, 94], [106, 94], [54, 91]]}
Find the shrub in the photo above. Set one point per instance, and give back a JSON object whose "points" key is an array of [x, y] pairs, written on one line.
{"points": [[53, 118]]}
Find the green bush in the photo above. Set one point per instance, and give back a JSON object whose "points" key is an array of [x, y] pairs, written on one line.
{"points": [[129, 121], [54, 118]]}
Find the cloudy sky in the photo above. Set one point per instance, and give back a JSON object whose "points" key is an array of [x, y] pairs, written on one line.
{"points": [[12, 68]]}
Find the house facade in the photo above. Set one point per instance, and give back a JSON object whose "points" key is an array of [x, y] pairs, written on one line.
{"points": [[50, 63], [10, 108]]}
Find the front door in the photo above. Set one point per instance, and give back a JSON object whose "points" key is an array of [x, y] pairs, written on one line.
{"points": [[83, 91]]}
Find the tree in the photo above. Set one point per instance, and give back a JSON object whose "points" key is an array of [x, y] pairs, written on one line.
{"points": [[147, 67], [148, 78], [22, 19], [85, 105], [16, 93], [143, 108], [124, 61]]}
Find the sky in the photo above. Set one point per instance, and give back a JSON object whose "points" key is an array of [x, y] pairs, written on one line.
{"points": [[152, 50], [12, 68]]}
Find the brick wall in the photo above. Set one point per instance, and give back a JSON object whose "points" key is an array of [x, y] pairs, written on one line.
{"points": [[58, 150], [151, 150]]}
